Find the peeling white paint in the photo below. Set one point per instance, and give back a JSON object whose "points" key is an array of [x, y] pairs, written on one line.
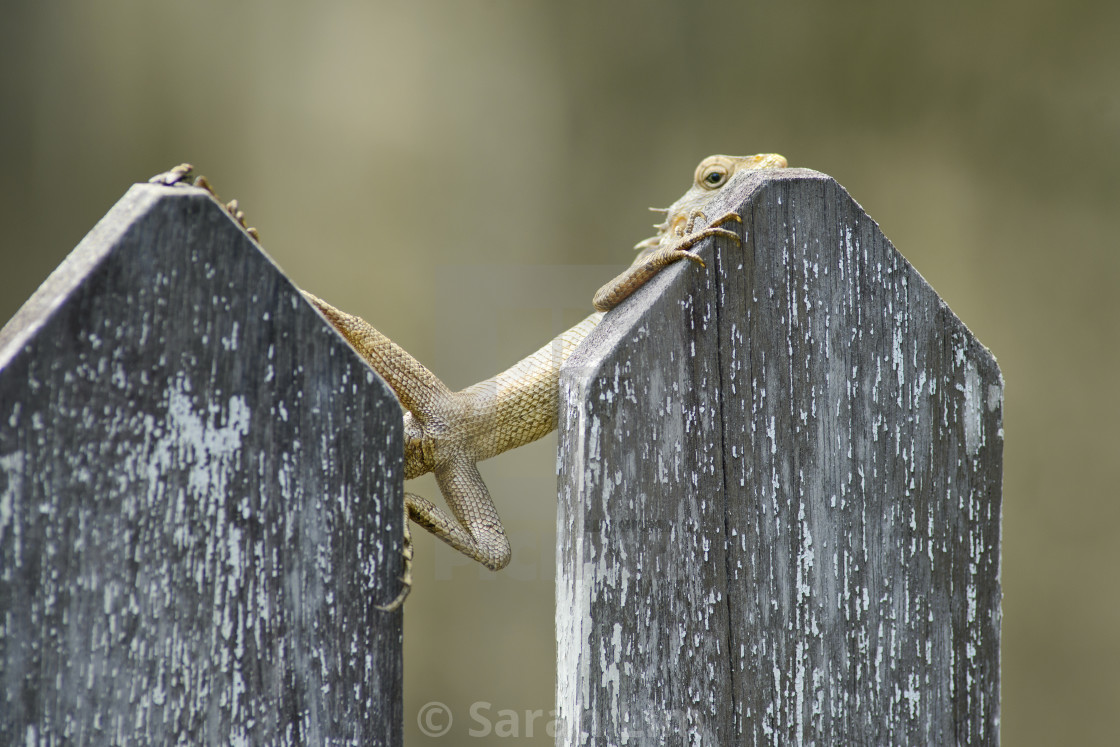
{"points": [[12, 465], [973, 423]]}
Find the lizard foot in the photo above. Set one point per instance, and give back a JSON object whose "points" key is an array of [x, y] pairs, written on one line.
{"points": [[657, 259], [182, 174], [406, 572], [689, 236]]}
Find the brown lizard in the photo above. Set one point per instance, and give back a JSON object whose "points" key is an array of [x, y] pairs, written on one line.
{"points": [[447, 432]]}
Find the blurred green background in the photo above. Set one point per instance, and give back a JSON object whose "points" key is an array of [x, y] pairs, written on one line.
{"points": [[399, 156]]}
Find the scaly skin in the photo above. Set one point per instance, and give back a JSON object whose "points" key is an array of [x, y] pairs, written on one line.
{"points": [[447, 432]]}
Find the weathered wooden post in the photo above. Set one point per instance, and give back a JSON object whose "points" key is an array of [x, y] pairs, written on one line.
{"points": [[780, 497], [195, 526]]}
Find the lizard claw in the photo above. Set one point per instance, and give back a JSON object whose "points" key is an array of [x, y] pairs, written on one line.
{"points": [[731, 216], [406, 573], [687, 254], [181, 175], [690, 236], [687, 242], [654, 259], [174, 176]]}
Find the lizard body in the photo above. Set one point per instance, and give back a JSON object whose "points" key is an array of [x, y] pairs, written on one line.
{"points": [[447, 432]]}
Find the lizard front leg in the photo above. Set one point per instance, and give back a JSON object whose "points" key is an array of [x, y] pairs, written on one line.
{"points": [[651, 262]]}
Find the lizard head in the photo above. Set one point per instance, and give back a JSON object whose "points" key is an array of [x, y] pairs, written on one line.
{"points": [[711, 175]]}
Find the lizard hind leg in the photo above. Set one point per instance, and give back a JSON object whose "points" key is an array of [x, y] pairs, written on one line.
{"points": [[491, 549], [475, 528]]}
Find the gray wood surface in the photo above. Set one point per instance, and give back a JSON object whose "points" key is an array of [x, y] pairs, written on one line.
{"points": [[780, 494], [200, 500]]}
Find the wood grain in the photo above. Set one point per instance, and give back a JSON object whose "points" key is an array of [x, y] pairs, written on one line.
{"points": [[200, 499], [780, 491]]}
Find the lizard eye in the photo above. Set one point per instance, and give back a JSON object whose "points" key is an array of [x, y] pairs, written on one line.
{"points": [[714, 177]]}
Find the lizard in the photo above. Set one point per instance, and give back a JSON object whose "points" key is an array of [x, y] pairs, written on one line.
{"points": [[448, 432]]}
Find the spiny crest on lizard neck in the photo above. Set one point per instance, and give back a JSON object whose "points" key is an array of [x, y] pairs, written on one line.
{"points": [[712, 173]]}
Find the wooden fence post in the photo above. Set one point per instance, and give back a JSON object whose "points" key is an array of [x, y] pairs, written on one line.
{"points": [[780, 495], [200, 499]]}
